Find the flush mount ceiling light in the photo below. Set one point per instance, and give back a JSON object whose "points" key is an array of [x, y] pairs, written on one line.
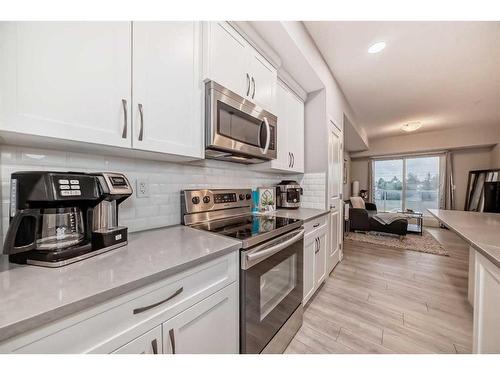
{"points": [[411, 126], [377, 47]]}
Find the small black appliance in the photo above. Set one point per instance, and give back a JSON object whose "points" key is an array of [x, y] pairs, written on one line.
{"points": [[57, 218]]}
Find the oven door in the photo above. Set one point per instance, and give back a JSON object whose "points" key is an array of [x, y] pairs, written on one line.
{"points": [[238, 126], [271, 289]]}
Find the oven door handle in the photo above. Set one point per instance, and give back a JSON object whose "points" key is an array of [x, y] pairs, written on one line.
{"points": [[268, 136], [267, 252]]}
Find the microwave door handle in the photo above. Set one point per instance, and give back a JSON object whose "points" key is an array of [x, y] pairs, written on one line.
{"points": [[268, 138], [259, 255]]}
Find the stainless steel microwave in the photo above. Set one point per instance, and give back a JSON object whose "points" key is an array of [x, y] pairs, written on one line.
{"points": [[237, 130]]}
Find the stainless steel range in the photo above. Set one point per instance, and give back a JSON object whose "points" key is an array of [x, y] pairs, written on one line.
{"points": [[271, 264]]}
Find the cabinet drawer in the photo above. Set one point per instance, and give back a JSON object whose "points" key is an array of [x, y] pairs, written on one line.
{"points": [[106, 327], [314, 224]]}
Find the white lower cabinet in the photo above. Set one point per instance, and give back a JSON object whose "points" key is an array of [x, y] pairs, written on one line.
{"points": [[196, 310], [315, 256], [308, 275], [148, 343], [320, 258], [335, 239], [209, 327], [486, 306]]}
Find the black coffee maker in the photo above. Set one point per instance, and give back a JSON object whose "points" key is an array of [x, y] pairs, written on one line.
{"points": [[53, 216]]}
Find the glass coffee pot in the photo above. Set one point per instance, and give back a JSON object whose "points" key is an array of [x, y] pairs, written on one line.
{"points": [[47, 229]]}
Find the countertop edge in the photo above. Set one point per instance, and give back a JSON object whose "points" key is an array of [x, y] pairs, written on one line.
{"points": [[475, 245], [282, 212], [50, 316], [325, 212]]}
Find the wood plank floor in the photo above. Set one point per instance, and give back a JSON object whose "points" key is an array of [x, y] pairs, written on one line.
{"points": [[383, 300]]}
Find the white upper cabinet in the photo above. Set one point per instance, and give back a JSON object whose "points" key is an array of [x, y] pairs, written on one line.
{"points": [[226, 57], [283, 160], [232, 62], [167, 88], [263, 80], [296, 132], [290, 136], [66, 80]]}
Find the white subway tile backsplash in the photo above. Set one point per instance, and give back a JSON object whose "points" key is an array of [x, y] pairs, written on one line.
{"points": [[314, 185], [166, 180]]}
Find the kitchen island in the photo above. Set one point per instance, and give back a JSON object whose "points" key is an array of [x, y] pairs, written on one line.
{"points": [[482, 232]]}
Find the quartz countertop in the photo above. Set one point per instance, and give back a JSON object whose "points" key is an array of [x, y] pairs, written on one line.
{"points": [[31, 296], [480, 229], [304, 214]]}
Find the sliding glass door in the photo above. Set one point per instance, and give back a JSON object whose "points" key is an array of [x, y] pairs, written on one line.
{"points": [[388, 184], [406, 183]]}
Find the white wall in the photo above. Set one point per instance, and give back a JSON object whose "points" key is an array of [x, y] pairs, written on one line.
{"points": [[455, 138], [166, 180], [495, 157], [336, 103], [359, 172], [347, 177], [463, 162]]}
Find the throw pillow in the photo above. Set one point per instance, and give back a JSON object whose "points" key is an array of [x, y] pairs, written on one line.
{"points": [[357, 202]]}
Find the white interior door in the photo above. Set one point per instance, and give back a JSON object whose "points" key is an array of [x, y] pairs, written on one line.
{"points": [[335, 181], [334, 163], [320, 259], [227, 57], [167, 96], [67, 80], [335, 235]]}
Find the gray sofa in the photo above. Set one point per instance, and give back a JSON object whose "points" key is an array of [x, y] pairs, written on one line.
{"points": [[361, 219]]}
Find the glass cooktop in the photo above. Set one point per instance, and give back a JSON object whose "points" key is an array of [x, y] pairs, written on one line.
{"points": [[248, 228]]}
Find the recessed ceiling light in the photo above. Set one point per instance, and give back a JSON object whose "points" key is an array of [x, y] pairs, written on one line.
{"points": [[377, 47], [411, 126]]}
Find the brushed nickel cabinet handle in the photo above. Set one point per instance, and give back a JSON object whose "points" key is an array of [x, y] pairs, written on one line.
{"points": [[317, 246], [293, 160], [253, 93], [146, 308], [141, 114], [316, 225], [289, 160], [125, 119], [154, 345], [171, 335], [248, 84]]}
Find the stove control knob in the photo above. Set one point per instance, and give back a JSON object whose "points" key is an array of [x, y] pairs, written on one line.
{"points": [[195, 200], [206, 199], [242, 196], [249, 196]]}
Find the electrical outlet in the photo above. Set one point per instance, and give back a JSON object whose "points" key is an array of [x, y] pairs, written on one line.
{"points": [[142, 190]]}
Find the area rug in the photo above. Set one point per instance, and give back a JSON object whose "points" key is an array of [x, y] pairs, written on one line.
{"points": [[424, 244]]}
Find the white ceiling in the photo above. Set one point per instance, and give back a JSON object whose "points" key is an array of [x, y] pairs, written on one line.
{"points": [[444, 74]]}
